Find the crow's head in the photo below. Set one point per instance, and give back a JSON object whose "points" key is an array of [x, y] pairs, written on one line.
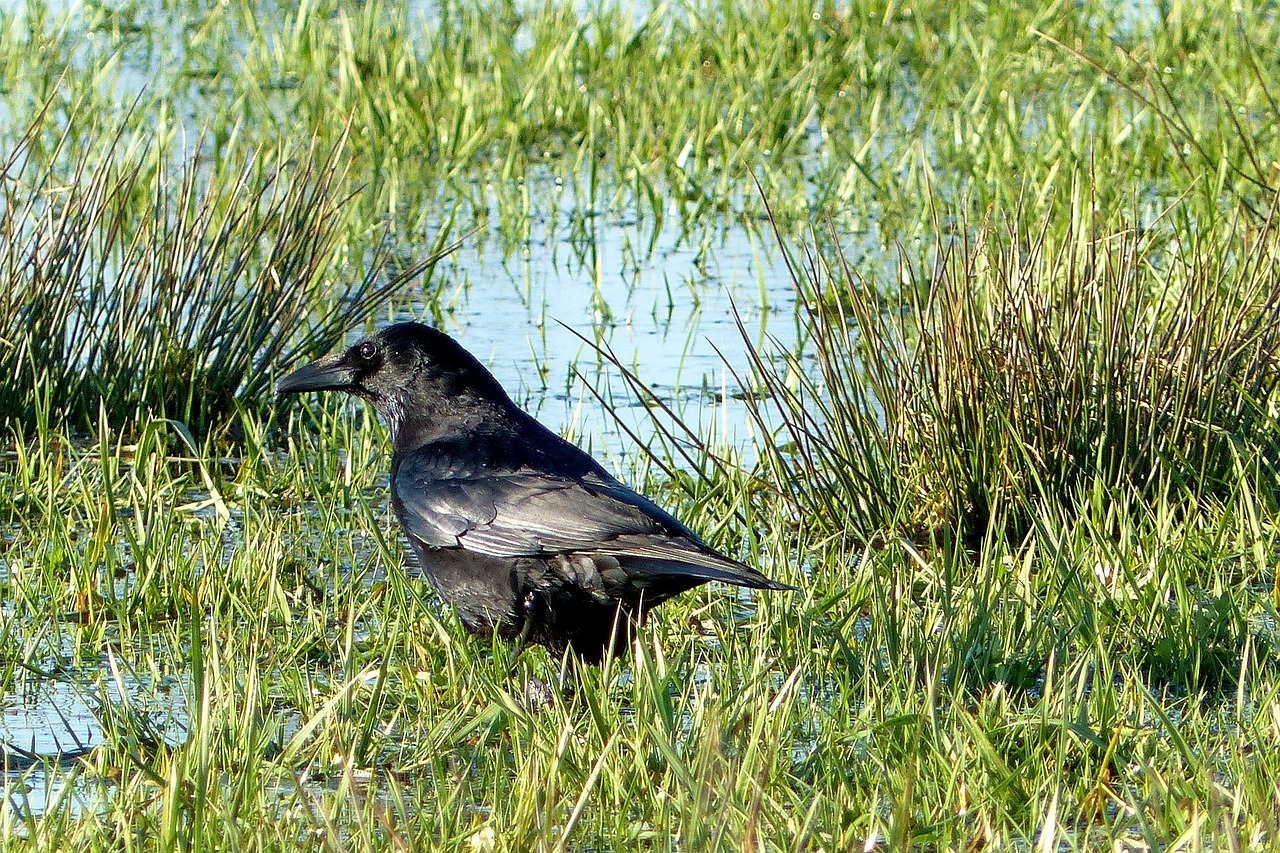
{"points": [[411, 374]]}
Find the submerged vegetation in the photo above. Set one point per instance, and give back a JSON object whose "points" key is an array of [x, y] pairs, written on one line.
{"points": [[1022, 458]]}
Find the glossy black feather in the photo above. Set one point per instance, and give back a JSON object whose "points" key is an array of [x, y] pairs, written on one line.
{"points": [[520, 530]]}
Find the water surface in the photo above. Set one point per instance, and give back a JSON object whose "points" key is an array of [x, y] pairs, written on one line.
{"points": [[666, 313]]}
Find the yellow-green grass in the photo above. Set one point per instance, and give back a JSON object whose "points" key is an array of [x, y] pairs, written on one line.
{"points": [[1002, 640]]}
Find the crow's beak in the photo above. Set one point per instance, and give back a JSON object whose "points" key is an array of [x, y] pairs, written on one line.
{"points": [[331, 373]]}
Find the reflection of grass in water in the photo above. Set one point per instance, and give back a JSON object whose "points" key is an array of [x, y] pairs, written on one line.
{"points": [[60, 718], [1098, 672]]}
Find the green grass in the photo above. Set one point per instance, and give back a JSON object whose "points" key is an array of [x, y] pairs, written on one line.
{"points": [[933, 696], [1034, 373], [1023, 469], [135, 287], [866, 112]]}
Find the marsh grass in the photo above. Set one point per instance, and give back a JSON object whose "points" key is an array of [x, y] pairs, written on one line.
{"points": [[139, 287], [929, 699], [1026, 485], [1029, 374], [859, 112]]}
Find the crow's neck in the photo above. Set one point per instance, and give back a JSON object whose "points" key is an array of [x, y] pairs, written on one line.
{"points": [[415, 424]]}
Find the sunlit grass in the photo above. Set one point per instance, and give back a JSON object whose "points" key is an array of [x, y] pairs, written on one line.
{"points": [[133, 287], [1023, 471], [868, 113], [1029, 374], [1113, 679]]}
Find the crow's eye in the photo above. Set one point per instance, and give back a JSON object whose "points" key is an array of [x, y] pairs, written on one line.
{"points": [[366, 351]]}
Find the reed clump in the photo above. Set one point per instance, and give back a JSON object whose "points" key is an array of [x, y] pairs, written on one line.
{"points": [[1030, 374], [141, 284]]}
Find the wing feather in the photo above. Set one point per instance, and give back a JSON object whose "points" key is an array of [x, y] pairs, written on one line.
{"points": [[525, 513]]}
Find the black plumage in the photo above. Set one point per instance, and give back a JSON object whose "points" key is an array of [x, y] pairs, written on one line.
{"points": [[518, 529]]}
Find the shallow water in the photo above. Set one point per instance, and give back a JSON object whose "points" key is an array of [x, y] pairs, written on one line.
{"points": [[46, 727], [667, 314]]}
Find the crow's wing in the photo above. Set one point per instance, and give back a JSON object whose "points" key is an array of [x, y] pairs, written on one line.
{"points": [[526, 513], [521, 512]]}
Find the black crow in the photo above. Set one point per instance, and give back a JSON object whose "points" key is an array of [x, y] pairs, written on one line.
{"points": [[518, 529]]}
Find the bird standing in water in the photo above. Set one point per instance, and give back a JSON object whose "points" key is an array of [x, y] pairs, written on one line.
{"points": [[518, 529]]}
